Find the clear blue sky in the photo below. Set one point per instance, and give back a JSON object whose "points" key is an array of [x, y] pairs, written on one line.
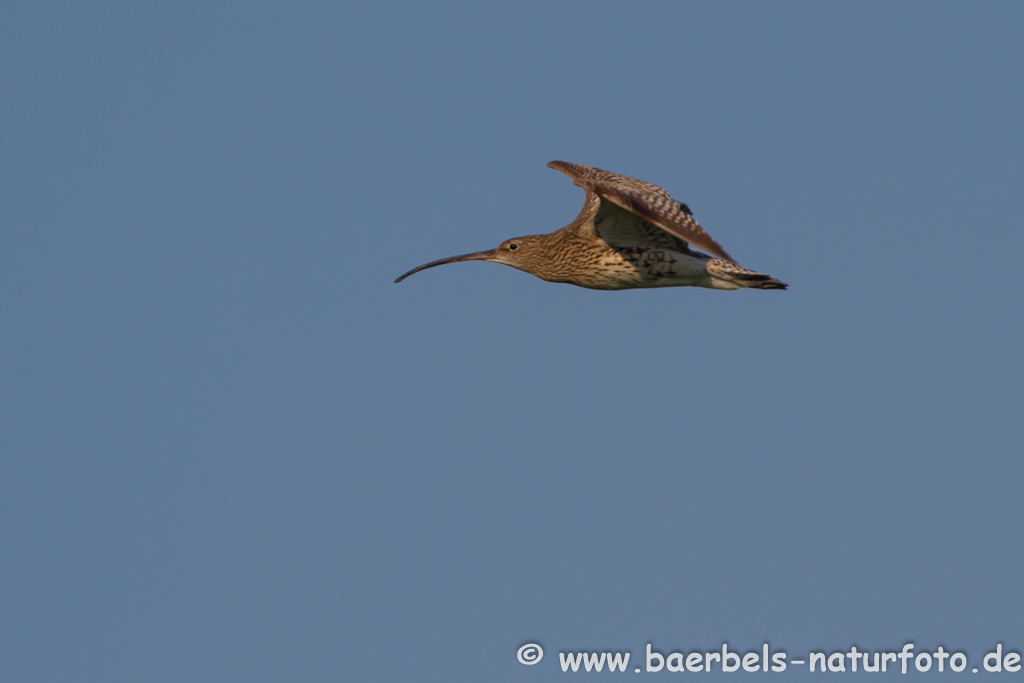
{"points": [[232, 449]]}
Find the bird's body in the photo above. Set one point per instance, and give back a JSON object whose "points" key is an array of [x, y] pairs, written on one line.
{"points": [[630, 234]]}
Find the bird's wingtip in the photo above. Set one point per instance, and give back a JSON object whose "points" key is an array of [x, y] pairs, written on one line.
{"points": [[574, 171]]}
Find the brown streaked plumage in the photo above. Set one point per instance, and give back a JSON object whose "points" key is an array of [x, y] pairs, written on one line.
{"points": [[629, 234]]}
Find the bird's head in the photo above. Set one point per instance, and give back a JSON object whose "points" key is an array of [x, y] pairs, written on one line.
{"points": [[525, 253]]}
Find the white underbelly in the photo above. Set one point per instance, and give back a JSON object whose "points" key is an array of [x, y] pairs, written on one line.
{"points": [[663, 268]]}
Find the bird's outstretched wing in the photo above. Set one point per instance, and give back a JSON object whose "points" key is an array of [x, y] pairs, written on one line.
{"points": [[646, 200]]}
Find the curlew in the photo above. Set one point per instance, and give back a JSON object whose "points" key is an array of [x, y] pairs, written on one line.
{"points": [[629, 234]]}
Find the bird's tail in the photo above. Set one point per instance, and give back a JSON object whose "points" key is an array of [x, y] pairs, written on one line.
{"points": [[765, 282], [734, 276]]}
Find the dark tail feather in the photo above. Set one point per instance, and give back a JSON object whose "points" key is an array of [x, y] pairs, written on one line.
{"points": [[767, 282], [759, 281]]}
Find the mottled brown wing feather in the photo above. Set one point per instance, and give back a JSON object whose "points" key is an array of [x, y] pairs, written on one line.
{"points": [[647, 200]]}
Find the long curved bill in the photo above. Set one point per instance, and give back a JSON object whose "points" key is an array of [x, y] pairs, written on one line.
{"points": [[478, 256]]}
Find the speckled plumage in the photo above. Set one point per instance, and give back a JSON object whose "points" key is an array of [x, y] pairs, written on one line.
{"points": [[629, 234]]}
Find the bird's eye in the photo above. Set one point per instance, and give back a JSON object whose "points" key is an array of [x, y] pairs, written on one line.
{"points": [[512, 246]]}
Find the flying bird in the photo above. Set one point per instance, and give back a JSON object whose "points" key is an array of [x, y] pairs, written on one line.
{"points": [[629, 234]]}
